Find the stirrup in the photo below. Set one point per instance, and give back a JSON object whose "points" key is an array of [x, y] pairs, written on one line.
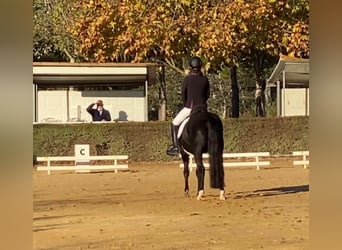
{"points": [[173, 151]]}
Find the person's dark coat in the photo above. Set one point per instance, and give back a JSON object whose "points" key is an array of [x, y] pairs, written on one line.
{"points": [[105, 115]]}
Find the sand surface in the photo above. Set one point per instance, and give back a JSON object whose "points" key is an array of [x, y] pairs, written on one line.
{"points": [[145, 208]]}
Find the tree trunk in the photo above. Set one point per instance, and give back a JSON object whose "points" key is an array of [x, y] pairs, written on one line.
{"points": [[71, 59], [224, 112], [260, 83], [162, 95], [162, 111], [235, 92]]}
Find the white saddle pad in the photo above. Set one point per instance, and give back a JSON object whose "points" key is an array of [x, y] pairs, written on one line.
{"points": [[181, 127]]}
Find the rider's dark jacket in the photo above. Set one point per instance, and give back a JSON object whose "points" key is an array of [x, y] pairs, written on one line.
{"points": [[195, 90]]}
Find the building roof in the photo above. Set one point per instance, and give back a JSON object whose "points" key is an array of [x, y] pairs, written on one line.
{"points": [[96, 73], [296, 71], [89, 64]]}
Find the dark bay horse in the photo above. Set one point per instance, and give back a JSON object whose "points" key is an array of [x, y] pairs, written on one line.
{"points": [[203, 134]]}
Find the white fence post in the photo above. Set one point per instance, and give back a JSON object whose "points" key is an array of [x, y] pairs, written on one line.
{"points": [[257, 162], [81, 168], [48, 165], [305, 162], [255, 155], [304, 159], [115, 164]]}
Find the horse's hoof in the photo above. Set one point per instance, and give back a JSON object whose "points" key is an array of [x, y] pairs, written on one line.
{"points": [[200, 195], [222, 197], [186, 194]]}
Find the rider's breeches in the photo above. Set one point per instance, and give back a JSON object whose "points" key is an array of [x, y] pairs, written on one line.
{"points": [[184, 113]]}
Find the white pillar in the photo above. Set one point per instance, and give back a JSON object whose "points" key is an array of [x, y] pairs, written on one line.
{"points": [[283, 96], [35, 103], [146, 100], [278, 99], [68, 104]]}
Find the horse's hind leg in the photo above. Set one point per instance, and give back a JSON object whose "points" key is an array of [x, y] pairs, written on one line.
{"points": [[185, 158], [200, 175]]}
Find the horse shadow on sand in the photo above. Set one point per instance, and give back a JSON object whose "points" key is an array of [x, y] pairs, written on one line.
{"points": [[272, 191]]}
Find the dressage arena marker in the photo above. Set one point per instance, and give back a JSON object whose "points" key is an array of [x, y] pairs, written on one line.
{"points": [[257, 163], [304, 161], [115, 166]]}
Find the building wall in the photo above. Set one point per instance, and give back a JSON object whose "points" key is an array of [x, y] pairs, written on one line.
{"points": [[296, 102], [123, 105], [52, 105]]}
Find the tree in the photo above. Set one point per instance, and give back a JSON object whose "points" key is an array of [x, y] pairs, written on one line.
{"points": [[51, 19], [220, 90], [138, 30], [225, 33], [262, 28]]}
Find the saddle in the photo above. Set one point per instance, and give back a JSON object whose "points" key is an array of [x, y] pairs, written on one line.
{"points": [[195, 109], [199, 108]]}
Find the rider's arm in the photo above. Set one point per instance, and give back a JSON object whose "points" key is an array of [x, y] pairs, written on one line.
{"points": [[184, 92], [208, 89]]}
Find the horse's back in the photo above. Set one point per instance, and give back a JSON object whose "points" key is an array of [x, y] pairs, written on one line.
{"points": [[203, 119], [196, 131]]}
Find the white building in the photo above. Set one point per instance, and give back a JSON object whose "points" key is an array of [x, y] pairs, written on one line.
{"points": [[290, 78], [63, 91]]}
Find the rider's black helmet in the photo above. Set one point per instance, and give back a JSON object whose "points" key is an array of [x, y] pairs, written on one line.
{"points": [[195, 62]]}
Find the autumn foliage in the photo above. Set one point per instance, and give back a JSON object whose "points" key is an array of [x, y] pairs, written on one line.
{"points": [[168, 30]]}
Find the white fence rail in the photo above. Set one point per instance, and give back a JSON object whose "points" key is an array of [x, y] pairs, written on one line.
{"points": [[305, 161], [236, 163], [82, 167]]}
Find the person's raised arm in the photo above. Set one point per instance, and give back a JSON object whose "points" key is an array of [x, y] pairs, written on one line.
{"points": [[90, 108]]}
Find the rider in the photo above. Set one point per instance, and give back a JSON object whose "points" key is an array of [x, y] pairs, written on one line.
{"points": [[195, 91]]}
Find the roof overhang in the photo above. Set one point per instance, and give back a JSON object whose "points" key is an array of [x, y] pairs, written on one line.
{"points": [[296, 72], [93, 73], [88, 79]]}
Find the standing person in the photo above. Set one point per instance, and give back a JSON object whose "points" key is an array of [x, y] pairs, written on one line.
{"points": [[195, 91], [98, 113], [260, 98]]}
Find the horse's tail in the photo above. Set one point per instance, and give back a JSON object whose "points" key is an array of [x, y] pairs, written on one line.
{"points": [[215, 150]]}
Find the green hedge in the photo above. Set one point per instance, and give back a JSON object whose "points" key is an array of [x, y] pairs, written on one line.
{"points": [[148, 141]]}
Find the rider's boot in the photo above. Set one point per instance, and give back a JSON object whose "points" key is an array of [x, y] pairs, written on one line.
{"points": [[174, 149]]}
